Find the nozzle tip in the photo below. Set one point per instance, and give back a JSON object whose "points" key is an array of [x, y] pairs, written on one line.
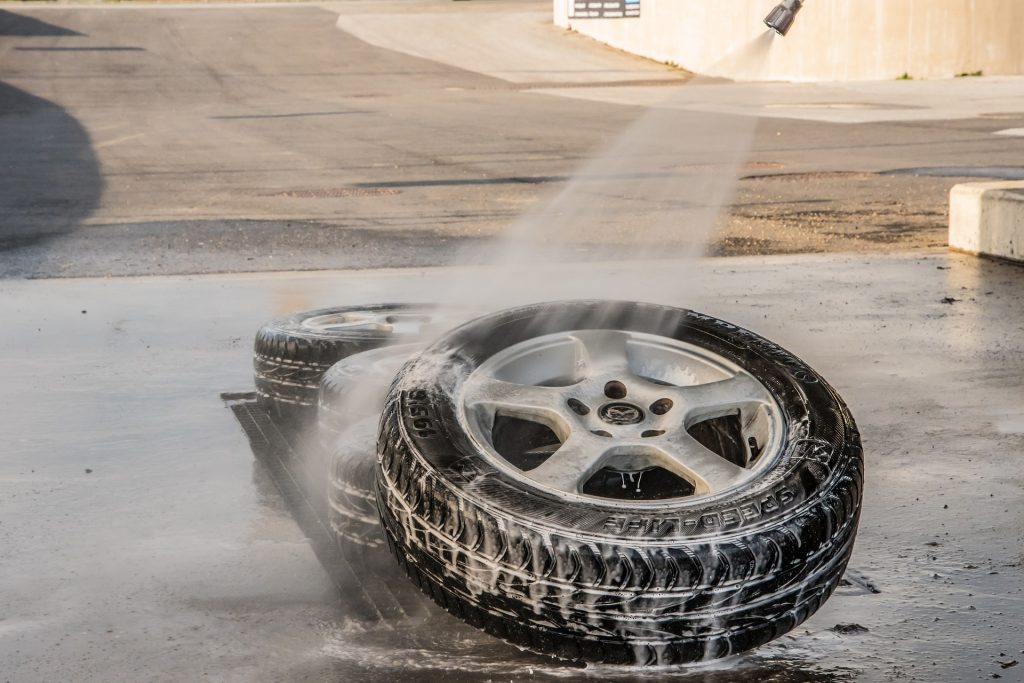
{"points": [[782, 17]]}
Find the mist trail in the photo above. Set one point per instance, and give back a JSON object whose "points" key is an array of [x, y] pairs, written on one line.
{"points": [[655, 193]]}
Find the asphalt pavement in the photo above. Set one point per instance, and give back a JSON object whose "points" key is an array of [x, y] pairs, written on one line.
{"points": [[162, 139], [182, 147]]}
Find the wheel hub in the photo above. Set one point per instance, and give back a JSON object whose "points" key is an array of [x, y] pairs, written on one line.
{"points": [[621, 413]]}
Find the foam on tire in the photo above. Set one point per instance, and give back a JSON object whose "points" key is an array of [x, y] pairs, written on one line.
{"points": [[606, 585]]}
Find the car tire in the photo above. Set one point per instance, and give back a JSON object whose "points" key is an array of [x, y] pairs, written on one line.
{"points": [[354, 388], [293, 353], [350, 401], [351, 503], [591, 577]]}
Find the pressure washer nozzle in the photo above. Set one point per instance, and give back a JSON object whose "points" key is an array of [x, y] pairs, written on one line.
{"points": [[781, 18]]}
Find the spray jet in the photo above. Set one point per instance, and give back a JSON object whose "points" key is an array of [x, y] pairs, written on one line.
{"points": [[781, 18]]}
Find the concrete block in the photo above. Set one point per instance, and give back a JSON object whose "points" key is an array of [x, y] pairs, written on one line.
{"points": [[988, 219]]}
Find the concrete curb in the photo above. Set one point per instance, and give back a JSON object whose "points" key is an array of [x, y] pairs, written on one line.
{"points": [[987, 219]]}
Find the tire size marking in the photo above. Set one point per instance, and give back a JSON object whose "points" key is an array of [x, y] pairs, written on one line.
{"points": [[419, 415], [797, 367], [712, 521]]}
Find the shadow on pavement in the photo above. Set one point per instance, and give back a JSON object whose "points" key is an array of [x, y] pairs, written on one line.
{"points": [[51, 175], [12, 24]]}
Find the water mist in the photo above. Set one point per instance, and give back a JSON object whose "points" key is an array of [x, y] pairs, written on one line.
{"points": [[632, 223]]}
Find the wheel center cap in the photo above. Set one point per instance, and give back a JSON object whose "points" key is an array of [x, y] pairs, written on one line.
{"points": [[621, 414]]}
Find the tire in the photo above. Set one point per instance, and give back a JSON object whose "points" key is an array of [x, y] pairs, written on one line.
{"points": [[352, 506], [591, 578], [349, 406], [355, 388], [292, 354], [354, 523]]}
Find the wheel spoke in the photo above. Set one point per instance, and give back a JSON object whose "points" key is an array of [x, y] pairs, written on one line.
{"points": [[715, 399], [523, 400], [690, 459], [572, 464], [605, 352]]}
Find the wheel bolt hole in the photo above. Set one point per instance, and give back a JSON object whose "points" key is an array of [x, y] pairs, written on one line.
{"points": [[601, 432], [615, 389], [578, 407], [652, 432], [661, 406]]}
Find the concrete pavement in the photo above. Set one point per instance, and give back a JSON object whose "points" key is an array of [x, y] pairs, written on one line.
{"points": [[995, 98], [142, 541], [513, 41]]}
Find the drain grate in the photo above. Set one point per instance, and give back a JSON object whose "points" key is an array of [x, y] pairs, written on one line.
{"points": [[373, 588]]}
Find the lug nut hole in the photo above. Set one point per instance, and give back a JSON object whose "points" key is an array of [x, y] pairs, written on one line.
{"points": [[661, 406], [615, 389], [578, 407]]}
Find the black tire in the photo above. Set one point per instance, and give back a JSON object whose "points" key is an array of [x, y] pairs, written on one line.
{"points": [[351, 503], [290, 357], [351, 397], [355, 388], [599, 583], [355, 525]]}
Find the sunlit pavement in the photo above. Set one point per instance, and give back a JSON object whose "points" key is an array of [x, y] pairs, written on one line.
{"points": [[167, 139], [141, 541]]}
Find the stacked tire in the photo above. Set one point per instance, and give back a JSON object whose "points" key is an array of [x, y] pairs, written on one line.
{"points": [[293, 353], [582, 573], [351, 396]]}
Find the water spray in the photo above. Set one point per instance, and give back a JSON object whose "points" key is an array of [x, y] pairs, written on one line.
{"points": [[781, 18]]}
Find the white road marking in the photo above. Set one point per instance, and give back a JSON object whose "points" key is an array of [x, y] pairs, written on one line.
{"points": [[1015, 132]]}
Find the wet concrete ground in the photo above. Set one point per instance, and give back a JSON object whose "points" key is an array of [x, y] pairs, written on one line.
{"points": [[142, 541]]}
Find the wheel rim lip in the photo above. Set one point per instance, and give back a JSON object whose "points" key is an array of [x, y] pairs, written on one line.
{"points": [[404, 321], [766, 461]]}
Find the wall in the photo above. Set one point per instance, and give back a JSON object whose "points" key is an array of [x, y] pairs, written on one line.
{"points": [[832, 40]]}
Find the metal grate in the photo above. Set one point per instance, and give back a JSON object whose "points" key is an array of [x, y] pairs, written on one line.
{"points": [[368, 594]]}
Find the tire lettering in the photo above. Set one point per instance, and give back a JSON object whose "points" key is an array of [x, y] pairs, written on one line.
{"points": [[749, 512], [418, 414], [733, 517]]}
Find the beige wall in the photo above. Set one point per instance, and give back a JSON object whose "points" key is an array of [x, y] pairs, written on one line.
{"points": [[831, 40]]}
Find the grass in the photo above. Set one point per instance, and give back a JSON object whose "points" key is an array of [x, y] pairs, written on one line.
{"points": [[905, 77], [970, 74]]}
